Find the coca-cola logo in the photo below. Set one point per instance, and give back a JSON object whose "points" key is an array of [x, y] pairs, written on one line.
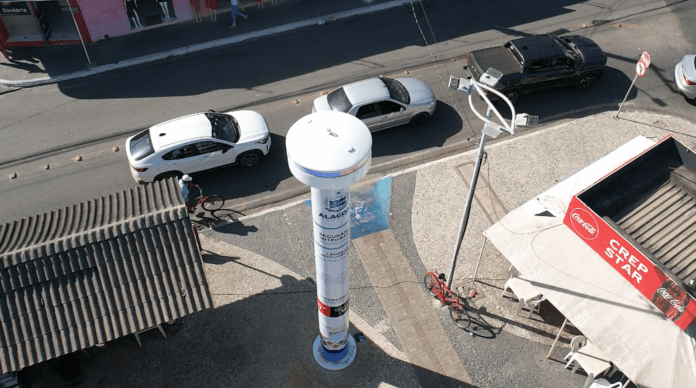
{"points": [[676, 303], [584, 224]]}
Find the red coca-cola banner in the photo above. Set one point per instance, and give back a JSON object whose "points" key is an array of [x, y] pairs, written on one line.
{"points": [[637, 269]]}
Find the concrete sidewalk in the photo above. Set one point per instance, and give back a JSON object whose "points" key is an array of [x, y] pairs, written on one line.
{"points": [[260, 271], [424, 212], [31, 66]]}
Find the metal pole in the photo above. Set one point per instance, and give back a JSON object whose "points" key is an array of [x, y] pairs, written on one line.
{"points": [[624, 100], [79, 34], [479, 259], [469, 199], [557, 337]]}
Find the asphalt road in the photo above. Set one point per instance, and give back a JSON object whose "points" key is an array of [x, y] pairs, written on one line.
{"points": [[45, 128]]}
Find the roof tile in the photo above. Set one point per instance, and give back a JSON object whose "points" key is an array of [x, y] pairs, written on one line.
{"points": [[96, 271]]}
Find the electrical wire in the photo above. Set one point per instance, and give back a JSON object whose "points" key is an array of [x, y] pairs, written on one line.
{"points": [[538, 232], [457, 104]]}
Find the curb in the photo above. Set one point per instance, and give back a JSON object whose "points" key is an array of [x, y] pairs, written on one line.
{"points": [[427, 158], [202, 46]]}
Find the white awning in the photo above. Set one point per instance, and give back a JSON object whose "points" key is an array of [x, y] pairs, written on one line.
{"points": [[637, 337]]}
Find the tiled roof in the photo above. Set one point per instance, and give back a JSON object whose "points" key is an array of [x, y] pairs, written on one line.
{"points": [[97, 271]]}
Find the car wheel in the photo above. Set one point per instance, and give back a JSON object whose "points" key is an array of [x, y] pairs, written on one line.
{"points": [[512, 95], [586, 81], [419, 119], [249, 159], [170, 174]]}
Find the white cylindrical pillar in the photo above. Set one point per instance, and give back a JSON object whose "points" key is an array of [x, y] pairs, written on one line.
{"points": [[329, 151]]}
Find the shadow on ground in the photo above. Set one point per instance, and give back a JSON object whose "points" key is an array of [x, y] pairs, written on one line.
{"points": [[261, 61], [259, 340]]}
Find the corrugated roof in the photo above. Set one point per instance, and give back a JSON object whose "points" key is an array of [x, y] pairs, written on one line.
{"points": [[664, 225], [97, 271]]}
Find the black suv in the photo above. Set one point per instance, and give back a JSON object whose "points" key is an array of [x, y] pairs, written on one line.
{"points": [[540, 62]]}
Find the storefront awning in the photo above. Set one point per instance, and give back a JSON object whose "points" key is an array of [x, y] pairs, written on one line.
{"points": [[637, 337]]}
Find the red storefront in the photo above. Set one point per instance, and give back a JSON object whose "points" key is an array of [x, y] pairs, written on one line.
{"points": [[42, 22]]}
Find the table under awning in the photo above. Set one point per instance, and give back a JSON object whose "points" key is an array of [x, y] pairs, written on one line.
{"points": [[634, 334]]}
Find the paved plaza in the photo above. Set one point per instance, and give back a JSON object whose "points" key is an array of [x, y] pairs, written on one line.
{"points": [[260, 271]]}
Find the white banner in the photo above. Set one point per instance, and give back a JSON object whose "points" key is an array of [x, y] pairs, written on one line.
{"points": [[331, 217]]}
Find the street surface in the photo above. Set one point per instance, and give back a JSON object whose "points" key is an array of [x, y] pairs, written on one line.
{"points": [[45, 128], [260, 270]]}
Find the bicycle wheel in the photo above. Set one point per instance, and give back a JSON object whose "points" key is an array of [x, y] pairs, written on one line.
{"points": [[459, 316], [214, 202], [431, 284]]}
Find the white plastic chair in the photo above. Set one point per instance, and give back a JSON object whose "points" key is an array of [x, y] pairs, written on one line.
{"points": [[521, 287], [603, 383], [575, 344]]}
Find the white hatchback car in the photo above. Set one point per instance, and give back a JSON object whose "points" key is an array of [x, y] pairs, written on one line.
{"points": [[196, 143], [382, 102]]}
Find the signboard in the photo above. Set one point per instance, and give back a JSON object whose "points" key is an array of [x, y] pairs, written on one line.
{"points": [[637, 269], [668, 296], [11, 8], [645, 58], [640, 68]]}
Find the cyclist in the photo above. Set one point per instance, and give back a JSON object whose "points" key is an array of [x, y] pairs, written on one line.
{"points": [[185, 184]]}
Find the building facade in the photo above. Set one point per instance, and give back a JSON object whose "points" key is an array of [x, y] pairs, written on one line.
{"points": [[37, 23]]}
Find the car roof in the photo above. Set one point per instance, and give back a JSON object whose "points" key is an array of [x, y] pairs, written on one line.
{"points": [[538, 47], [367, 90], [181, 130]]}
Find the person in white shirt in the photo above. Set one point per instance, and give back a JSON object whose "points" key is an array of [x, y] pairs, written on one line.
{"points": [[185, 184]]}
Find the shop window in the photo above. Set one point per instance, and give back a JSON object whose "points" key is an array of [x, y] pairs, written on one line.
{"points": [[142, 13]]}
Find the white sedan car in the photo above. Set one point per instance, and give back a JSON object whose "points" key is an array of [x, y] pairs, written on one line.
{"points": [[685, 76], [382, 102], [196, 143]]}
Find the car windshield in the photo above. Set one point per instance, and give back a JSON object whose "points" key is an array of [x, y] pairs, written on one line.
{"points": [[141, 145], [225, 127], [568, 45], [397, 91], [338, 101]]}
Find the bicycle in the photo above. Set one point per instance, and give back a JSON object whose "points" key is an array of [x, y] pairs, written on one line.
{"points": [[434, 282], [209, 203]]}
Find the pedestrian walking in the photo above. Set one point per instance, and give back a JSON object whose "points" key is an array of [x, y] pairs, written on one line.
{"points": [[235, 12]]}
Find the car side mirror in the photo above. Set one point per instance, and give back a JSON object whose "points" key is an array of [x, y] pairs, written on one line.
{"points": [[402, 109], [211, 111]]}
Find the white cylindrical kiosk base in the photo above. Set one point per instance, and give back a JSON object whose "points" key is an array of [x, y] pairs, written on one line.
{"points": [[331, 218], [329, 151], [319, 355]]}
